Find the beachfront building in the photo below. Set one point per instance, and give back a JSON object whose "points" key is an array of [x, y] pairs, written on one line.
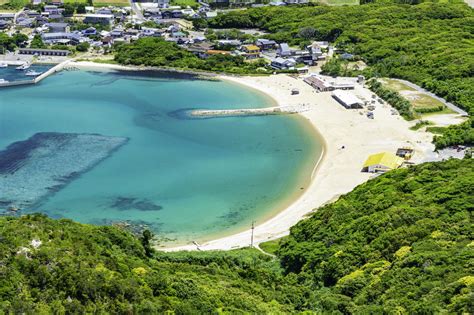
{"points": [[43, 52], [382, 162], [347, 99], [250, 51], [105, 19], [319, 84]]}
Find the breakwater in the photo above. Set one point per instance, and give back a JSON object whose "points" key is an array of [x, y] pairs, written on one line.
{"points": [[244, 112]]}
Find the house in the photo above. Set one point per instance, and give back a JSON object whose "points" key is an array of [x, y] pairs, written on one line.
{"points": [[116, 33], [283, 50], [43, 52], [210, 14], [347, 99], [105, 19], [36, 2], [57, 2], [4, 24], [277, 3], [382, 162], [319, 84], [296, 1], [162, 4], [89, 9], [405, 152], [178, 35], [25, 22], [90, 31], [229, 43], [282, 64], [347, 56], [61, 38], [250, 51], [58, 27], [265, 44], [7, 16]]}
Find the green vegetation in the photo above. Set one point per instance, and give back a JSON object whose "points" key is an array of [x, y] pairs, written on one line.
{"points": [[160, 53], [11, 42], [271, 246], [185, 3], [421, 124], [429, 44], [400, 243], [89, 269], [393, 98], [462, 134], [13, 4]]}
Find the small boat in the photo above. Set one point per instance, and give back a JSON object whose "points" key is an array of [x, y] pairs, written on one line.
{"points": [[3, 81], [33, 73], [3, 65], [23, 66]]}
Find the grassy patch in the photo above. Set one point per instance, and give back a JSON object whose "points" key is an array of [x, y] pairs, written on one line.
{"points": [[271, 246], [436, 130], [185, 3], [13, 4], [106, 3], [422, 103], [421, 124], [396, 85], [340, 2]]}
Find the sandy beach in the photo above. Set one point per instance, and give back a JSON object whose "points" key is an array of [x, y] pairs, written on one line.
{"points": [[338, 170]]}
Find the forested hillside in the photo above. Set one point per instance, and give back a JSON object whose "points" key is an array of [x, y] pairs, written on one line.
{"points": [[431, 44], [401, 243]]}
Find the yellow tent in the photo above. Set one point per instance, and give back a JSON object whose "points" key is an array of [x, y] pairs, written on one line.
{"points": [[383, 161]]}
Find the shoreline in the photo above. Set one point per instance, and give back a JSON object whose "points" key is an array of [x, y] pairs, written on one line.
{"points": [[329, 180], [336, 172]]}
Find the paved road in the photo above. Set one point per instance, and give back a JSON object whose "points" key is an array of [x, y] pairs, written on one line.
{"points": [[137, 11], [442, 100]]}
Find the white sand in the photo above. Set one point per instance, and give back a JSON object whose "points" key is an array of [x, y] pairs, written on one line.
{"points": [[339, 170]]}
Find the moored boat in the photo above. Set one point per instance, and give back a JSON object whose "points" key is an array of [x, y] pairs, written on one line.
{"points": [[33, 73], [23, 66]]}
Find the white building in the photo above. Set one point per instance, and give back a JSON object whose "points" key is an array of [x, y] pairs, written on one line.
{"points": [[347, 99], [106, 19]]}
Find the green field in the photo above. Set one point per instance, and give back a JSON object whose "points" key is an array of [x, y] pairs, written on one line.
{"points": [[184, 3], [102, 3], [340, 2], [420, 101]]}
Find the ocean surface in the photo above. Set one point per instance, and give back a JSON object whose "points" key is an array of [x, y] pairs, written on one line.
{"points": [[185, 179]]}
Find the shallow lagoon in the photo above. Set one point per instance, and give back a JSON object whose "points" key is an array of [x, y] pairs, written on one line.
{"points": [[185, 179]]}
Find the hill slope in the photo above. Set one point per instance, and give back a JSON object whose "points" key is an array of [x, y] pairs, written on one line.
{"points": [[403, 241]]}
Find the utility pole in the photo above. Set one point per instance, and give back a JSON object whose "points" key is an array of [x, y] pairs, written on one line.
{"points": [[251, 238]]}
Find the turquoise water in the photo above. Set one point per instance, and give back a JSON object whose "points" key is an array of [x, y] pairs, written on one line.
{"points": [[204, 177]]}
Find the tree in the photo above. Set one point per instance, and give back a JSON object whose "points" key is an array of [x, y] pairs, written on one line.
{"points": [[83, 47], [37, 42], [147, 236]]}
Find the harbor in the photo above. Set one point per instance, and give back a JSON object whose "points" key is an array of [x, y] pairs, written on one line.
{"points": [[18, 72]]}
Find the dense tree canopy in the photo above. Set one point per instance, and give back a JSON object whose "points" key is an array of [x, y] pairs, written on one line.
{"points": [[152, 51], [401, 243]]}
